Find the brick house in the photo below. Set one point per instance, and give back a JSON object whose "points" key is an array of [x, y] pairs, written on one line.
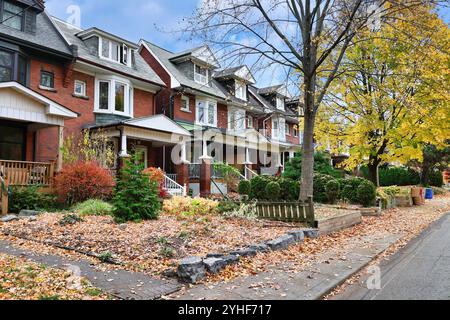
{"points": [[258, 133], [57, 80]]}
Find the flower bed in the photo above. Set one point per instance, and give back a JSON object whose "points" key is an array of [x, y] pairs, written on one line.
{"points": [[151, 246]]}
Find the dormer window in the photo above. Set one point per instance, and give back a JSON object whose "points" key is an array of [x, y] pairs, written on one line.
{"points": [[280, 103], [12, 15], [114, 51], [241, 90], [201, 75]]}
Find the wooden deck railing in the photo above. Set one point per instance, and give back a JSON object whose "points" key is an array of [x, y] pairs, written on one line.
{"points": [[3, 196], [21, 173]]}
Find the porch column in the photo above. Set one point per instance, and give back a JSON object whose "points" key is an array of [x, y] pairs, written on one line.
{"points": [[123, 155], [183, 169], [59, 162], [279, 166], [205, 172], [247, 164]]}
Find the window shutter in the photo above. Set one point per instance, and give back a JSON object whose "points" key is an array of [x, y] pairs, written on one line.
{"points": [[30, 21]]}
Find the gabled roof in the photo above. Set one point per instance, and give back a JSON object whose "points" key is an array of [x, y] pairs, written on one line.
{"points": [[158, 122], [179, 79], [52, 108], [202, 55], [140, 69], [277, 89], [46, 38], [85, 34], [242, 73]]}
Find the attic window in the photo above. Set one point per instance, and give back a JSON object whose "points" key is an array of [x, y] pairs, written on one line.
{"points": [[114, 51], [280, 103], [241, 90], [12, 15], [201, 75]]}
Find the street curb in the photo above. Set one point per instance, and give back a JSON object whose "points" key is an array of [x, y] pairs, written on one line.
{"points": [[411, 243]]}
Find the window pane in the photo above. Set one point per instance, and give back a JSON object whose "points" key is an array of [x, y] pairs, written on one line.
{"points": [[104, 95], [12, 20], [12, 8], [115, 51], [105, 48], [120, 97], [80, 88], [201, 111], [211, 113], [22, 70], [6, 59], [47, 79], [5, 74]]}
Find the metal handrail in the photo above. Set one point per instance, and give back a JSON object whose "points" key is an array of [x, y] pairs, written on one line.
{"points": [[170, 184]]}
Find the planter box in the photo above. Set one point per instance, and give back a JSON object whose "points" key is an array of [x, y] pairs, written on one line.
{"points": [[371, 212], [339, 223], [404, 201]]}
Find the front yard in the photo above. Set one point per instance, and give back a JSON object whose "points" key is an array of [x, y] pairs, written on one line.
{"points": [[152, 246]]}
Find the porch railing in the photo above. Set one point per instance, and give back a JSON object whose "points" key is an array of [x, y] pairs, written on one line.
{"points": [[173, 187], [21, 173], [249, 173]]}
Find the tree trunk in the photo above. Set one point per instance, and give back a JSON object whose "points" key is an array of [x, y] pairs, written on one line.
{"points": [[373, 172], [425, 176], [307, 182]]}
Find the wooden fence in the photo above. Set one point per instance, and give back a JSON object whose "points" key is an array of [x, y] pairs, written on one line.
{"points": [[21, 173], [287, 211]]}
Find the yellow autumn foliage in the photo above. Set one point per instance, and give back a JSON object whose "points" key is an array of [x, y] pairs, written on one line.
{"points": [[394, 96]]}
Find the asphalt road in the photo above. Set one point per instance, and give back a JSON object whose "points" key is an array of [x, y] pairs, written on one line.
{"points": [[420, 271]]}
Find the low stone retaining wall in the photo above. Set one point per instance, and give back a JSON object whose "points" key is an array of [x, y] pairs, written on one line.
{"points": [[194, 269], [339, 223]]}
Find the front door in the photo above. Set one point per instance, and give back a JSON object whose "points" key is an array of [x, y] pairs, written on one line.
{"points": [[12, 142], [143, 155]]}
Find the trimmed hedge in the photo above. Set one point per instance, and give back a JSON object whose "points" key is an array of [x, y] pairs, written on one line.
{"points": [[273, 191], [333, 189], [395, 176], [366, 193], [245, 188]]}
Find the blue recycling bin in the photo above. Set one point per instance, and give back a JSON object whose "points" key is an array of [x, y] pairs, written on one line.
{"points": [[429, 194]]}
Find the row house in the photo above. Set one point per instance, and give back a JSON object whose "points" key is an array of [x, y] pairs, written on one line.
{"points": [[229, 118], [180, 109]]}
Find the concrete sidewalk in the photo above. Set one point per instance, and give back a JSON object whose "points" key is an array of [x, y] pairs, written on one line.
{"points": [[420, 271], [119, 283], [310, 284]]}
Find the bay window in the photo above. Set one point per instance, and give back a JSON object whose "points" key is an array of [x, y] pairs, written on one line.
{"points": [[206, 113], [279, 129], [114, 96], [13, 66]]}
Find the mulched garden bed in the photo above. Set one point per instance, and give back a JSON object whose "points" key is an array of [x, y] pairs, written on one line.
{"points": [[151, 246]]}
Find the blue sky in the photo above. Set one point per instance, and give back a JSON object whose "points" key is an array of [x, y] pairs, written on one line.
{"points": [[148, 19]]}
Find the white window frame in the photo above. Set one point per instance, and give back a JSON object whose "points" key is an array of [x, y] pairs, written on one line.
{"points": [[128, 100], [208, 104], [250, 122], [188, 104], [121, 59], [279, 133], [83, 86], [288, 129], [198, 77], [241, 90], [295, 131], [280, 103], [236, 116]]}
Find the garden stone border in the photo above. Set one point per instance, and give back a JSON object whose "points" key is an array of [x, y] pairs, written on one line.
{"points": [[193, 269]]}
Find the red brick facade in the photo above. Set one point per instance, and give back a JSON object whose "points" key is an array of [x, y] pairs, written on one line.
{"points": [[64, 80]]}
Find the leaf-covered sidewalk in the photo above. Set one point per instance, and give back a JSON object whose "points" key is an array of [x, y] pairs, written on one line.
{"points": [[21, 279]]}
